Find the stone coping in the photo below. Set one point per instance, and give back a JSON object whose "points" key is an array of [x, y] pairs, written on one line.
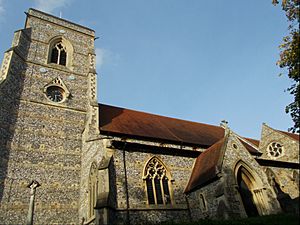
{"points": [[60, 21]]}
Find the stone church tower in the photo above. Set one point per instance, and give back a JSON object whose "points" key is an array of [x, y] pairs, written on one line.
{"points": [[48, 103]]}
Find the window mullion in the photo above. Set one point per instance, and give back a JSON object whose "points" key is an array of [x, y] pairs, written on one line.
{"points": [[90, 200], [162, 190], [95, 194], [92, 206], [58, 57], [154, 191]]}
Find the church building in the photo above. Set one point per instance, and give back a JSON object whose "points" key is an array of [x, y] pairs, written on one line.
{"points": [[67, 159]]}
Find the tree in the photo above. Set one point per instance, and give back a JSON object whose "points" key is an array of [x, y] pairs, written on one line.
{"points": [[290, 58]]}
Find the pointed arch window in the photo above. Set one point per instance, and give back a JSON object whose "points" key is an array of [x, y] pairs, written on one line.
{"points": [[93, 189], [59, 54], [158, 183]]}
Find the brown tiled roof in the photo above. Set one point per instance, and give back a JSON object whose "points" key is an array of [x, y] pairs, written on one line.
{"points": [[292, 135], [206, 166], [250, 148], [120, 121], [253, 141]]}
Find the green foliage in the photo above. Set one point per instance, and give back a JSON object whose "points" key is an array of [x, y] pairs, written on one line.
{"points": [[290, 58]]}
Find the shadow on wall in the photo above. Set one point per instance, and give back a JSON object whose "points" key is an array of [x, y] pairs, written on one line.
{"points": [[287, 204], [10, 93], [113, 190], [128, 213]]}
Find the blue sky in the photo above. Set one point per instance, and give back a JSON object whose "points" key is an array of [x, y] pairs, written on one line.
{"points": [[197, 60]]}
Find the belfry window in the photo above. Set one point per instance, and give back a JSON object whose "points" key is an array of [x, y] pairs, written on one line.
{"points": [[157, 183], [59, 54]]}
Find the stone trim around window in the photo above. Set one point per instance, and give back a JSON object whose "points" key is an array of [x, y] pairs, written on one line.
{"points": [[60, 52], [157, 180], [275, 150], [56, 91]]}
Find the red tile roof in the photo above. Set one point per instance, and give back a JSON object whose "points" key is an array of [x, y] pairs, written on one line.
{"points": [[292, 135], [206, 166], [250, 148], [120, 121], [253, 141]]}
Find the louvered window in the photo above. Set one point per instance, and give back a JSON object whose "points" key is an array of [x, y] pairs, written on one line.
{"points": [[157, 183], [59, 54]]}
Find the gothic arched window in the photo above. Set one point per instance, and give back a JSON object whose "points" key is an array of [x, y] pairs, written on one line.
{"points": [[59, 54], [93, 189], [158, 182]]}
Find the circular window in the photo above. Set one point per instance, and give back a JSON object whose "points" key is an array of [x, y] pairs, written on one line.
{"points": [[55, 93], [275, 149]]}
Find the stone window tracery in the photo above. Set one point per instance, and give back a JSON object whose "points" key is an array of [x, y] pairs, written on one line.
{"points": [[275, 149], [59, 54], [157, 180]]}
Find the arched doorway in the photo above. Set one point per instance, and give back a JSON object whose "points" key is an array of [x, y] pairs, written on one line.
{"points": [[251, 190], [246, 194]]}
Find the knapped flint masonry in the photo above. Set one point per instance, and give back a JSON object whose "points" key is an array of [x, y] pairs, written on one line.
{"points": [[101, 164]]}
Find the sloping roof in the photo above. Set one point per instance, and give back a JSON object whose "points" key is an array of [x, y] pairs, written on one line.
{"points": [[120, 121], [250, 148], [253, 141], [206, 166], [292, 135]]}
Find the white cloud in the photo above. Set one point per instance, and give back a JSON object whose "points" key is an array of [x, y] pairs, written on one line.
{"points": [[2, 11], [104, 56], [100, 57], [50, 5]]}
